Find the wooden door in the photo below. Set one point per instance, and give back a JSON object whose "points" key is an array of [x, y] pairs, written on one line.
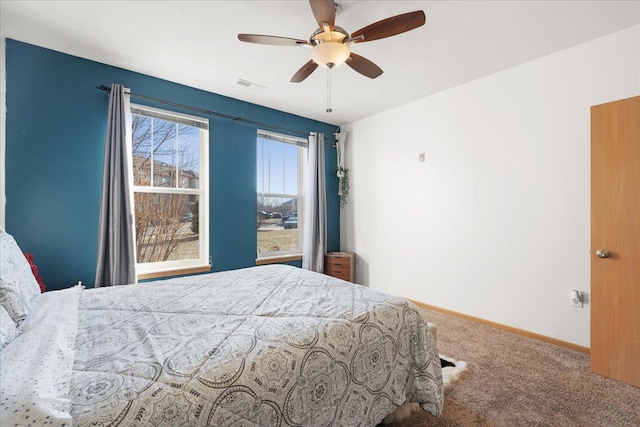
{"points": [[615, 226]]}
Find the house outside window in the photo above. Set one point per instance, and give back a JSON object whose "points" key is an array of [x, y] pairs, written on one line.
{"points": [[170, 191], [279, 216]]}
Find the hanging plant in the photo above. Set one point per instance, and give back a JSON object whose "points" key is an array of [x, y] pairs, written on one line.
{"points": [[343, 186]]}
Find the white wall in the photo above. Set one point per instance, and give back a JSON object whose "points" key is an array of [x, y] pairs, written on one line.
{"points": [[495, 223]]}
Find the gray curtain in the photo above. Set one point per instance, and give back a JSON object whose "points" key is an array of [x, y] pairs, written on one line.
{"points": [[315, 208], [116, 248]]}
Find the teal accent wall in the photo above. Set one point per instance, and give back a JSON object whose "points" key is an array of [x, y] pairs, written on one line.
{"points": [[55, 132]]}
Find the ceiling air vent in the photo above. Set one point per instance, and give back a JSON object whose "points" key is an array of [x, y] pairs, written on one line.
{"points": [[247, 83]]}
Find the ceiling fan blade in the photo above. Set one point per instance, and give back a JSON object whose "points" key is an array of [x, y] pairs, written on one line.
{"points": [[364, 66], [304, 72], [274, 40], [390, 27], [324, 12]]}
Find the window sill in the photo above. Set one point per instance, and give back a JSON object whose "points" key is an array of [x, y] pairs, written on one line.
{"points": [[174, 272], [278, 259]]}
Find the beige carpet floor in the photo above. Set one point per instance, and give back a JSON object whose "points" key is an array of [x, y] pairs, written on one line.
{"points": [[515, 381]]}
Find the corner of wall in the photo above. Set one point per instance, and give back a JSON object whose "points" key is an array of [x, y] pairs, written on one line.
{"points": [[3, 133]]}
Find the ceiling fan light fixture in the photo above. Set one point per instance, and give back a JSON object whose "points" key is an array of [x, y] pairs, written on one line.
{"points": [[322, 35], [330, 54], [330, 44]]}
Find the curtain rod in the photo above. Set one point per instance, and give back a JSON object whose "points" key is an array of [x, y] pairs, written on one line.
{"points": [[208, 112]]}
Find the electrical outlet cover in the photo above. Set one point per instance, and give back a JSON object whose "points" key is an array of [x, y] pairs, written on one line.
{"points": [[576, 299]]}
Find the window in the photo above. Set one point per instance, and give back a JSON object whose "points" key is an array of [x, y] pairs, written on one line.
{"points": [[279, 189], [170, 190]]}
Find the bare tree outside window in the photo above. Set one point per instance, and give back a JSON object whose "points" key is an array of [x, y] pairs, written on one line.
{"points": [[166, 175]]}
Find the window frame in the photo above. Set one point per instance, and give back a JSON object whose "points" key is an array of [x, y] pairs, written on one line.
{"points": [[302, 152], [184, 266]]}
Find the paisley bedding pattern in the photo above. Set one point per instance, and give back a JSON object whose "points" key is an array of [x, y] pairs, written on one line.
{"points": [[263, 346]]}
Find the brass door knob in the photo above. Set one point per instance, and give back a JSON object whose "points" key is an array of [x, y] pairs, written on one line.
{"points": [[603, 253]]}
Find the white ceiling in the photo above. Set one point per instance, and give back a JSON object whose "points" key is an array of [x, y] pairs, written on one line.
{"points": [[195, 43]]}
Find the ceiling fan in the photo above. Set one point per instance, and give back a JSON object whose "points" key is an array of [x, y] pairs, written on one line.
{"points": [[330, 44]]}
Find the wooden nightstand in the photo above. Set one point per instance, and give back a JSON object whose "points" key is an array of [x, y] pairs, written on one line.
{"points": [[340, 265]]}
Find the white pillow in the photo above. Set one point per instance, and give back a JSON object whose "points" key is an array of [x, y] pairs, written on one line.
{"points": [[8, 329], [17, 284]]}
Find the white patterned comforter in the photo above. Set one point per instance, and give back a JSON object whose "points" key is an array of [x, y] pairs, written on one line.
{"points": [[263, 346]]}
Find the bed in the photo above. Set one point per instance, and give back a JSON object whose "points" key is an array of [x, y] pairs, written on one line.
{"points": [[262, 346]]}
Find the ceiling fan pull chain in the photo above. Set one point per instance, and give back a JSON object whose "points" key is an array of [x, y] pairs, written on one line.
{"points": [[329, 90]]}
